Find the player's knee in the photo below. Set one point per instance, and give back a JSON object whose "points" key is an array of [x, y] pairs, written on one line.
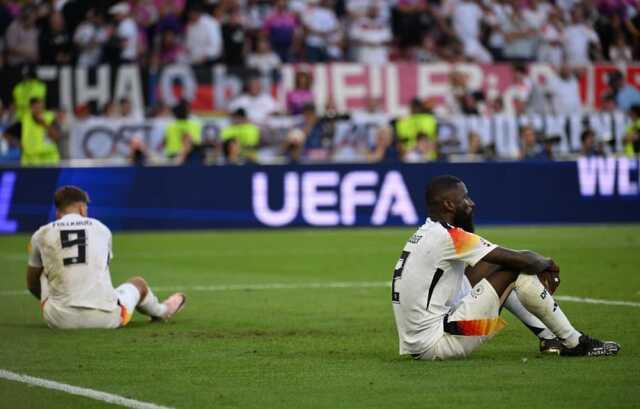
{"points": [[530, 290], [141, 285]]}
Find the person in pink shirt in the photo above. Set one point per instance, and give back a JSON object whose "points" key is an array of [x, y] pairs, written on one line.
{"points": [[301, 95], [281, 26]]}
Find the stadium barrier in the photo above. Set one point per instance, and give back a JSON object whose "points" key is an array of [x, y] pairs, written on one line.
{"points": [[101, 138], [591, 190]]}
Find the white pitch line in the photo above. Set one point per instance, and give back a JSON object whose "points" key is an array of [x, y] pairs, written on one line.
{"points": [[277, 286], [334, 284], [75, 390], [586, 300]]}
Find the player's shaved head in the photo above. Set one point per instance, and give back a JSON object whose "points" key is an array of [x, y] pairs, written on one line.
{"points": [[69, 195], [437, 190]]}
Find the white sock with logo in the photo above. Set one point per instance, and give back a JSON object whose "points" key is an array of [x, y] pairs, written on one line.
{"points": [[151, 306], [536, 326], [535, 298]]}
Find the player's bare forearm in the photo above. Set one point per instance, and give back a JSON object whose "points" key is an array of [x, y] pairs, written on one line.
{"points": [[524, 261], [33, 281]]}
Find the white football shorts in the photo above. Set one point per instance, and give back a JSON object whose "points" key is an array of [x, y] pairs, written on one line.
{"points": [[473, 321], [65, 317]]}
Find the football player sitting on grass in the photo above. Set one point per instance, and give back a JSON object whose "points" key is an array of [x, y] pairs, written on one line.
{"points": [[71, 257], [450, 285]]}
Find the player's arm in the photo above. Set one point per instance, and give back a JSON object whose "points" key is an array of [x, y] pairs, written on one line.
{"points": [[523, 261], [33, 280]]}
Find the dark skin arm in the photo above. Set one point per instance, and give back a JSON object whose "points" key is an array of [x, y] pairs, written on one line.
{"points": [[33, 280], [524, 261]]}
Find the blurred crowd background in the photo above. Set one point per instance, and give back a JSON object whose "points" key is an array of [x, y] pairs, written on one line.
{"points": [[258, 36]]}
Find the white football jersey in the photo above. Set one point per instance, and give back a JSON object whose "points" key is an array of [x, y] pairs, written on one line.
{"points": [[429, 281], [75, 252]]}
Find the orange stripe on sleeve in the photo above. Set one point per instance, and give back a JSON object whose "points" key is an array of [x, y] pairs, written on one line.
{"points": [[462, 240]]}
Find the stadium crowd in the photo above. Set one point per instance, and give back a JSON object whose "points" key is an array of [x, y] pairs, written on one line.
{"points": [[566, 34], [264, 33]]}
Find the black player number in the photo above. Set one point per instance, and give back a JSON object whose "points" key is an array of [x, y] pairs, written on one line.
{"points": [[397, 274], [73, 238]]}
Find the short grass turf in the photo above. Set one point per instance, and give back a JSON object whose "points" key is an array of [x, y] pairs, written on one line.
{"points": [[319, 347]]}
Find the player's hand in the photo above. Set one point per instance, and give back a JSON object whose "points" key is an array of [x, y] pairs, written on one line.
{"points": [[550, 278]]}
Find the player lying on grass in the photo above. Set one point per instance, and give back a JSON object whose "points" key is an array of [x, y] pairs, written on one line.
{"points": [[73, 255], [449, 285]]}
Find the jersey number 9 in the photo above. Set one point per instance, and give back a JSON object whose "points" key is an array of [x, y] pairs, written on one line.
{"points": [[71, 238]]}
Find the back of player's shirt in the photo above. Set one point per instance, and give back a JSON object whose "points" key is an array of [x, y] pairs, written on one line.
{"points": [[428, 281], [75, 252]]}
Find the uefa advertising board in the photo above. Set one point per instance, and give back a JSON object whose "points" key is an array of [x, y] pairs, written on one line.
{"points": [[590, 190]]}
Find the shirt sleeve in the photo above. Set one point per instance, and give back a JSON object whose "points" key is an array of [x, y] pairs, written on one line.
{"points": [[35, 258], [467, 247]]}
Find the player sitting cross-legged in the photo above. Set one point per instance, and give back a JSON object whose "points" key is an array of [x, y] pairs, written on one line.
{"points": [[449, 285], [72, 254]]}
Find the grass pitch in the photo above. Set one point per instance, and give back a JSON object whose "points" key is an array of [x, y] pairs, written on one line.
{"points": [[318, 347]]}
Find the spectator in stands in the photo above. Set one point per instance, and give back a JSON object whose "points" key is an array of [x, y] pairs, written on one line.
{"points": [[619, 51], [293, 146], [231, 152], [428, 50], [183, 137], [529, 147], [39, 137], [6, 16], [420, 120], [89, 38], [564, 92], [28, 88], [319, 134], [631, 142], [244, 132], [425, 150], [11, 154], [322, 32], [520, 37], [21, 38], [370, 37], [281, 26], [126, 32], [625, 94], [111, 110], [55, 44], [408, 22], [128, 112], [548, 144], [477, 150], [146, 14], [384, 149], [467, 18], [138, 152], [264, 59], [171, 50], [550, 49], [169, 18], [608, 103], [203, 38], [258, 105], [590, 145], [301, 95], [234, 38], [578, 40]]}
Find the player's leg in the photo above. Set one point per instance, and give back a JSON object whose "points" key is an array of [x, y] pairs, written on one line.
{"points": [[548, 341], [136, 294], [535, 298], [473, 321]]}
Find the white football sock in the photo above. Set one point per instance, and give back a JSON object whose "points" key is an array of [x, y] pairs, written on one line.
{"points": [[151, 306], [536, 326], [539, 302]]}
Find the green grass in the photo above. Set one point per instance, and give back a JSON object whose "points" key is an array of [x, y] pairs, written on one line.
{"points": [[319, 347]]}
